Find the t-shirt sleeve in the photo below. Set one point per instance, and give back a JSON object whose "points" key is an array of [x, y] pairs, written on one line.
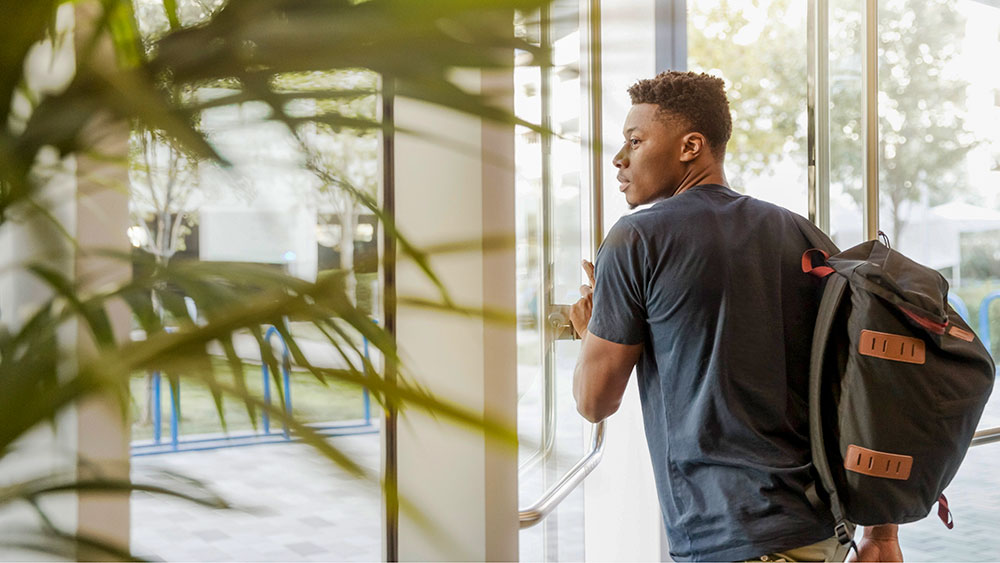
{"points": [[619, 313]]}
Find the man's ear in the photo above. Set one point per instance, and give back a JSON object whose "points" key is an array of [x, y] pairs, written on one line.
{"points": [[694, 144]]}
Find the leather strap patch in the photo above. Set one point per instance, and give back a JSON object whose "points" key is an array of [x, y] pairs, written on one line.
{"points": [[877, 464], [959, 333], [893, 347], [944, 513]]}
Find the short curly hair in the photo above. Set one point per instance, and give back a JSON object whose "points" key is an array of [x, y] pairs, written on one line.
{"points": [[698, 99]]}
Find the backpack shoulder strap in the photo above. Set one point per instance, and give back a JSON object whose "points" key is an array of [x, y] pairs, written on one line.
{"points": [[816, 237], [833, 294]]}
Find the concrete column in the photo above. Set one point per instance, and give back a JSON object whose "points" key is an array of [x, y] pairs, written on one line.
{"points": [[89, 199], [102, 221], [457, 186]]}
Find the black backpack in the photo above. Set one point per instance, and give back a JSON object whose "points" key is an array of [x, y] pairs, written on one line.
{"points": [[897, 384]]}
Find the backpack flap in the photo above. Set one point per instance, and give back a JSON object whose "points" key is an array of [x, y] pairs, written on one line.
{"points": [[920, 292]]}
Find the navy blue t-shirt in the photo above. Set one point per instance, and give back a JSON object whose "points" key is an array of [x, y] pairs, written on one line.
{"points": [[710, 282]]}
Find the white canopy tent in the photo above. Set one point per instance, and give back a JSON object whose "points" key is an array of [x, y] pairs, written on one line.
{"points": [[934, 235]]}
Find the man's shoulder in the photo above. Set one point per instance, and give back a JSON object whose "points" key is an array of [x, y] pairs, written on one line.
{"points": [[689, 212], [695, 203]]}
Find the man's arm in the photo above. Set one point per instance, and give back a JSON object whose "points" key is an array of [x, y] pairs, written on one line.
{"points": [[879, 543], [603, 368], [601, 375]]}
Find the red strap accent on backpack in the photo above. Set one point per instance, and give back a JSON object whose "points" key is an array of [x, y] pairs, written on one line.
{"points": [[944, 513], [936, 328], [818, 271]]}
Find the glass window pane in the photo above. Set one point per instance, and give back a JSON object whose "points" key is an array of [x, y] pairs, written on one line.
{"points": [[269, 208], [759, 49], [939, 130]]}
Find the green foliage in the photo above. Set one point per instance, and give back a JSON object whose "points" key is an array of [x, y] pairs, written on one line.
{"points": [[923, 139], [764, 70], [760, 49], [365, 294], [280, 53]]}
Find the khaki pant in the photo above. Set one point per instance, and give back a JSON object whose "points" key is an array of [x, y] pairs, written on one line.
{"points": [[826, 550]]}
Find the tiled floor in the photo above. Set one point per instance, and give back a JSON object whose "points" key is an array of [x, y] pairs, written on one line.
{"points": [[294, 506]]}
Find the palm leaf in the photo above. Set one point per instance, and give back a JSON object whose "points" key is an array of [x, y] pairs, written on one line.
{"points": [[249, 46], [23, 25]]}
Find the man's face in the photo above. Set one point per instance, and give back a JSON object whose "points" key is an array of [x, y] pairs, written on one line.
{"points": [[649, 166]]}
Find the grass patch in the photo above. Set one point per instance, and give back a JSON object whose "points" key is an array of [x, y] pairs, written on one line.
{"points": [[973, 295], [312, 401]]}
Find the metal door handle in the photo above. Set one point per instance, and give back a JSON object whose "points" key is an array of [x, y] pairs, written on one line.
{"points": [[987, 436], [552, 497], [558, 319], [559, 329]]}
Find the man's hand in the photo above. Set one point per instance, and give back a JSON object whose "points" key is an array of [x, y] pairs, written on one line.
{"points": [[579, 312], [879, 543]]}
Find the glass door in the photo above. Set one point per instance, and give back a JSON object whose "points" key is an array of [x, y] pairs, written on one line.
{"points": [[939, 202], [936, 126], [554, 234]]}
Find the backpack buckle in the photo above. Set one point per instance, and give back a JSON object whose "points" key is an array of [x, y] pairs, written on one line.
{"points": [[844, 536]]}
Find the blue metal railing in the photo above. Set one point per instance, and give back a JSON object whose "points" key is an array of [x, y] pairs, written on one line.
{"points": [[156, 446], [959, 306], [984, 322], [175, 399], [984, 317], [286, 362]]}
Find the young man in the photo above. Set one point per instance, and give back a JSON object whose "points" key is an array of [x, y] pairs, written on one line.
{"points": [[705, 291]]}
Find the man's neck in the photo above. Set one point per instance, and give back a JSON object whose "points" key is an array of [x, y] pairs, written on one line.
{"points": [[708, 175]]}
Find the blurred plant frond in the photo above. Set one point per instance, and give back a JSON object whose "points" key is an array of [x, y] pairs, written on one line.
{"points": [[53, 539], [275, 52], [493, 315], [250, 45], [237, 297], [165, 484]]}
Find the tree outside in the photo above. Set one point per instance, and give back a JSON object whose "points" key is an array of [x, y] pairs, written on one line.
{"points": [[349, 155], [928, 129], [923, 135], [164, 176], [760, 49]]}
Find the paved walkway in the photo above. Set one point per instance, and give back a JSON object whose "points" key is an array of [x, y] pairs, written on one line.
{"points": [[974, 497], [293, 506], [296, 507]]}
